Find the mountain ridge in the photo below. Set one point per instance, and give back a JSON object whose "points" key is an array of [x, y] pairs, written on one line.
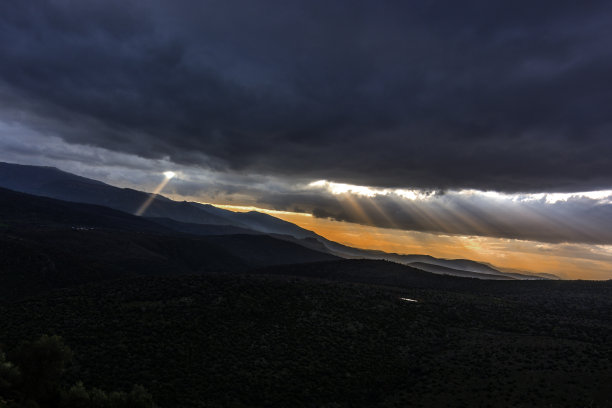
{"points": [[190, 217]]}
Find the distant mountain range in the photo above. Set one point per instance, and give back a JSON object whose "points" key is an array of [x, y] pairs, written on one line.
{"points": [[207, 220]]}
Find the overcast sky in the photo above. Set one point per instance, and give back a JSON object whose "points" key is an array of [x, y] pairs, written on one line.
{"points": [[428, 104]]}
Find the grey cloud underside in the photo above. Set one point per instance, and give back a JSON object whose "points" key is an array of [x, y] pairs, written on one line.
{"points": [[511, 97]]}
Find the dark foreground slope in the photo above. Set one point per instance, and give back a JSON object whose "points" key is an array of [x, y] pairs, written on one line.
{"points": [[261, 341]]}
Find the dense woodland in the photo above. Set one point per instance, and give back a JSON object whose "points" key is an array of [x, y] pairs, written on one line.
{"points": [[280, 341]]}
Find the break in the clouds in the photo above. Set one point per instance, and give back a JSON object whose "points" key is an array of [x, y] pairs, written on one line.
{"points": [[436, 95]]}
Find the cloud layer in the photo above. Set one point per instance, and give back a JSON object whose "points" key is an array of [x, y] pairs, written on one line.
{"points": [[431, 95]]}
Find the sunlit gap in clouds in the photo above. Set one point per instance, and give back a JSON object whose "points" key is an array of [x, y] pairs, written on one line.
{"points": [[604, 196], [342, 188], [168, 175]]}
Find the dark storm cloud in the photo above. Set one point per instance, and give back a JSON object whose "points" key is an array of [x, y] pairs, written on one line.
{"points": [[513, 96]]}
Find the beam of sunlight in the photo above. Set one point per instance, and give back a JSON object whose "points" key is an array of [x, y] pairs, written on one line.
{"points": [[167, 176], [350, 203], [390, 222]]}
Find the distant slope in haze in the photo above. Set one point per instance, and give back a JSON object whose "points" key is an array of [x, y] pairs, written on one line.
{"points": [[202, 229], [272, 225], [457, 267], [443, 270]]}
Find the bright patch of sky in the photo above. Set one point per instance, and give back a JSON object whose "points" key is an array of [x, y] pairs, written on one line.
{"points": [[604, 196], [364, 191]]}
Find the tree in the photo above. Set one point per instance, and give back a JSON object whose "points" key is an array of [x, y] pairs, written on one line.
{"points": [[42, 363], [35, 381], [10, 376]]}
